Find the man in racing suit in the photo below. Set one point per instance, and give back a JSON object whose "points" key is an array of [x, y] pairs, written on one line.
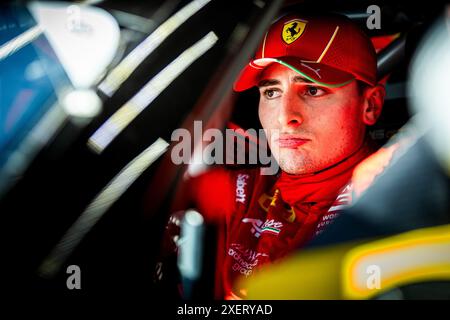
{"points": [[318, 92]]}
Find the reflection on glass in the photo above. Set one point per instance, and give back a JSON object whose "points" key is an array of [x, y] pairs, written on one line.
{"points": [[119, 74], [130, 110], [100, 205]]}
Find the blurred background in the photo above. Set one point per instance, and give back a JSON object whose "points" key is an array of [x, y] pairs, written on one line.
{"points": [[91, 92]]}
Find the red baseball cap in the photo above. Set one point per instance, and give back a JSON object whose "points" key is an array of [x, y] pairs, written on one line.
{"points": [[328, 50]]}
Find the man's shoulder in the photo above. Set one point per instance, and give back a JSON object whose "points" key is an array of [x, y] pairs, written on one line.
{"points": [[225, 189], [222, 174]]}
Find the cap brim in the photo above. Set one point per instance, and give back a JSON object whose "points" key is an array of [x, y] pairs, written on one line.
{"points": [[312, 71]]}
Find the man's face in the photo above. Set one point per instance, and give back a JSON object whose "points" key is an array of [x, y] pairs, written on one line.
{"points": [[309, 127]]}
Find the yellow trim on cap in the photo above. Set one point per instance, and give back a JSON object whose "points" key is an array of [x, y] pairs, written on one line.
{"points": [[328, 45], [264, 44]]}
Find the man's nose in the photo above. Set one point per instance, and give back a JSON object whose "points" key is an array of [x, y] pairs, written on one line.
{"points": [[290, 111]]}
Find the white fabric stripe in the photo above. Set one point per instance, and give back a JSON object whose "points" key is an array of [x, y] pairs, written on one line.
{"points": [[339, 207]]}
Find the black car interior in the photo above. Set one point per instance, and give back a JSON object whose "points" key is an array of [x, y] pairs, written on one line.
{"points": [[118, 253]]}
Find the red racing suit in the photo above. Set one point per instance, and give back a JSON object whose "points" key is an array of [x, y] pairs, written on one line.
{"points": [[264, 218]]}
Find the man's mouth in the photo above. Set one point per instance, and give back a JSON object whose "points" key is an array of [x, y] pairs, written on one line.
{"points": [[291, 142]]}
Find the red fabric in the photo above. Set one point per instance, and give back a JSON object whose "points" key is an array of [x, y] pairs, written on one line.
{"points": [[321, 187], [266, 217], [382, 42], [321, 42]]}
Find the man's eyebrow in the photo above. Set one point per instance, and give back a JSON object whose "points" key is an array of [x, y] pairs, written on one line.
{"points": [[268, 82], [272, 82], [301, 79]]}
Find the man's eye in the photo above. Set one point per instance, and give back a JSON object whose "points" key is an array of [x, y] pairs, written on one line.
{"points": [[315, 91], [271, 93]]}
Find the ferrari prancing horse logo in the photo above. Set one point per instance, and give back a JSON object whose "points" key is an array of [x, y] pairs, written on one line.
{"points": [[293, 29]]}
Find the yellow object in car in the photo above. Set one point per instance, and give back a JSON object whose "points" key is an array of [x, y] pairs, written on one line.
{"points": [[356, 270]]}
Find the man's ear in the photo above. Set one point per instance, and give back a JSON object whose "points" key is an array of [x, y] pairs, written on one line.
{"points": [[373, 104]]}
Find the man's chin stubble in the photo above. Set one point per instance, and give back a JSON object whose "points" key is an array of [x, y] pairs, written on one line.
{"points": [[295, 167]]}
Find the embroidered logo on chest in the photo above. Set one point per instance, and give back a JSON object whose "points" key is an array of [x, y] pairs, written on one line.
{"points": [[259, 227]]}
